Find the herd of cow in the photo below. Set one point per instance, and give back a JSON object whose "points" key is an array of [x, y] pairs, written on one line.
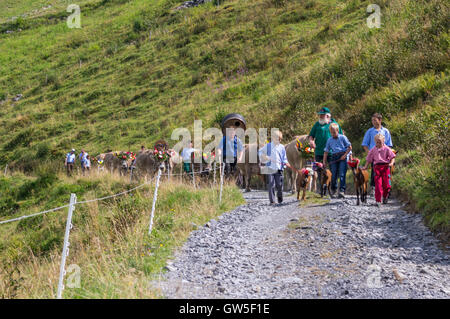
{"points": [[146, 164]]}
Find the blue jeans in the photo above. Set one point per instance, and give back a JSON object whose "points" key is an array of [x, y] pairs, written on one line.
{"points": [[275, 181], [338, 169]]}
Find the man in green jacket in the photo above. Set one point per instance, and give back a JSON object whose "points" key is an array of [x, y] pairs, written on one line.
{"points": [[320, 133]]}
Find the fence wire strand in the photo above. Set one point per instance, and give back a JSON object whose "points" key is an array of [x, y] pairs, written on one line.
{"points": [[101, 198], [81, 202]]}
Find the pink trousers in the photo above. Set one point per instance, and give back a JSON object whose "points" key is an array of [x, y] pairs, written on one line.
{"points": [[382, 181]]}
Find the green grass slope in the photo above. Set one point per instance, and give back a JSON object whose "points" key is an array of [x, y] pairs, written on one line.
{"points": [[108, 242], [138, 69]]}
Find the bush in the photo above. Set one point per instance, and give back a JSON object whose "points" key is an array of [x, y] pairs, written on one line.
{"points": [[292, 17], [196, 78], [43, 181], [42, 151], [23, 138], [138, 26], [8, 205]]}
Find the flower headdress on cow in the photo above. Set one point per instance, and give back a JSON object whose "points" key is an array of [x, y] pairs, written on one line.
{"points": [[98, 160], [162, 155], [125, 155], [209, 157], [306, 150]]}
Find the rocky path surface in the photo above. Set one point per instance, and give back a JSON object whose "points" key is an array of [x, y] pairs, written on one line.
{"points": [[336, 250]]}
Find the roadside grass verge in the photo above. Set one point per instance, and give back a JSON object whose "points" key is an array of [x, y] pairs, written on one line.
{"points": [[109, 240]]}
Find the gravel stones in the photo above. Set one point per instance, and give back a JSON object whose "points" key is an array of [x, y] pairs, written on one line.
{"points": [[341, 251]]}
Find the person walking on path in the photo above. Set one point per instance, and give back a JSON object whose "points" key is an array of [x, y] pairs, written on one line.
{"points": [[383, 159], [186, 156], [231, 149], [320, 133], [368, 142], [82, 158], [273, 154], [338, 146], [87, 163], [70, 161]]}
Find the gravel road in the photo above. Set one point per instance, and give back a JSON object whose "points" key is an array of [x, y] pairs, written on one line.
{"points": [[336, 250]]}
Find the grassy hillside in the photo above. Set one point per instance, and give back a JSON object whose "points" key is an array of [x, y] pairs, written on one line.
{"points": [[113, 84], [138, 69]]}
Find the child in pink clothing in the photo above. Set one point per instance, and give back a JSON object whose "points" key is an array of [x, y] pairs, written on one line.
{"points": [[383, 158]]}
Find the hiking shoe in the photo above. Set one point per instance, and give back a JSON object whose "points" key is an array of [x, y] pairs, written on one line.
{"points": [[378, 204], [385, 200], [280, 200], [341, 195]]}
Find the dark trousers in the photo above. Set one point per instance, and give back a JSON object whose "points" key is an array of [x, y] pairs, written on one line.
{"points": [[338, 169], [69, 168], [230, 168], [275, 181]]}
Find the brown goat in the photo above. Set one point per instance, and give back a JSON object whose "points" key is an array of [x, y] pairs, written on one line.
{"points": [[302, 181], [361, 178], [325, 180]]}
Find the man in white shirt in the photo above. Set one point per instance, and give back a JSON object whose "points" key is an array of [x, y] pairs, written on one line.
{"points": [[70, 161], [273, 155]]}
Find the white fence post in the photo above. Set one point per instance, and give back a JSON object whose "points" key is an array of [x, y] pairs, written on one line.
{"points": [[221, 181], [193, 174], [6, 169], [155, 194], [168, 171], [65, 252]]}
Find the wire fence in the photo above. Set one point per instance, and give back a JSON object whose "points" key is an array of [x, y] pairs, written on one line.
{"points": [[77, 203], [74, 202], [98, 199]]}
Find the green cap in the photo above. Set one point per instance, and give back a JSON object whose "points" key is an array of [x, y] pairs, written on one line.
{"points": [[324, 110]]}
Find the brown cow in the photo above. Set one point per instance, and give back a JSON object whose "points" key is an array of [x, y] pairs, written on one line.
{"points": [[295, 159], [146, 163], [247, 169], [174, 160], [163, 146], [112, 162]]}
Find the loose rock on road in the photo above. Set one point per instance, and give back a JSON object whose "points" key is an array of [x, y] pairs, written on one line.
{"points": [[336, 250]]}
